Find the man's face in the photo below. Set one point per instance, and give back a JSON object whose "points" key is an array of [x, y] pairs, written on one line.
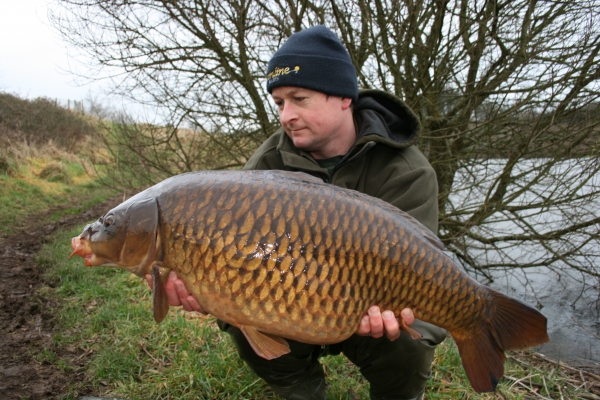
{"points": [[313, 120]]}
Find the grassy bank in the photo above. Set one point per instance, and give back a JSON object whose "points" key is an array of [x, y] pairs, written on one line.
{"points": [[40, 183], [42, 161], [106, 313]]}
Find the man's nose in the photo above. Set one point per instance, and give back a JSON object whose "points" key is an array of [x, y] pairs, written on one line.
{"points": [[287, 114]]}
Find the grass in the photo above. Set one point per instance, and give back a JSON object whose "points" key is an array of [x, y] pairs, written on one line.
{"points": [[37, 182], [106, 313]]}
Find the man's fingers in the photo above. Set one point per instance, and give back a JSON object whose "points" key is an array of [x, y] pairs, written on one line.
{"points": [[364, 329], [188, 301], [407, 316], [377, 328], [183, 295], [171, 290], [178, 294], [390, 323], [182, 291], [185, 304], [195, 306]]}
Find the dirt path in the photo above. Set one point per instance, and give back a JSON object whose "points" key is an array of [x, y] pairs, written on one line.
{"points": [[26, 322]]}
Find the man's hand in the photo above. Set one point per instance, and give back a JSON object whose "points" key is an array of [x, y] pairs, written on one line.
{"points": [[178, 294], [376, 323]]}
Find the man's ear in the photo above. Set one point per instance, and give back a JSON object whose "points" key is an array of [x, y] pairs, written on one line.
{"points": [[346, 103]]}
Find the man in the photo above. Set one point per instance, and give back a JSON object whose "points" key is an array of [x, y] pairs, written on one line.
{"points": [[358, 141]]}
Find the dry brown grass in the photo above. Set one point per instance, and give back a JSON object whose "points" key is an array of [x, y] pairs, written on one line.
{"points": [[41, 121]]}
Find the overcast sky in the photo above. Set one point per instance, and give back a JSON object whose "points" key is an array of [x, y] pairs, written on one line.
{"points": [[33, 59]]}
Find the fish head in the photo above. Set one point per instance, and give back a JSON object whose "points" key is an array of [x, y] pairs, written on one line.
{"points": [[125, 237]]}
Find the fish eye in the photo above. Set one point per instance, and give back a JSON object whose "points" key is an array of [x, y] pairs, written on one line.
{"points": [[108, 221]]}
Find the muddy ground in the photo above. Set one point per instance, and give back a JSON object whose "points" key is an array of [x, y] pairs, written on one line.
{"points": [[26, 320]]}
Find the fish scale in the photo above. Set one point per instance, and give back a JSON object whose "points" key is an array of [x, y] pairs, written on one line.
{"points": [[286, 255]]}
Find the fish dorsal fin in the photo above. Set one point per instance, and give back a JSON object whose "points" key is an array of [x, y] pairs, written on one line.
{"points": [[265, 345], [307, 178], [422, 229], [160, 301], [293, 176]]}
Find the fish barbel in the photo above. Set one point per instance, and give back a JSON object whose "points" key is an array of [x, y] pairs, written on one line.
{"points": [[284, 255]]}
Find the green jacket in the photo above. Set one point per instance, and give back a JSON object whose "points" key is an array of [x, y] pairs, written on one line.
{"points": [[383, 162]]}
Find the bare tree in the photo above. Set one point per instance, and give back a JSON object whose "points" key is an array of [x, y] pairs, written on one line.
{"points": [[497, 85], [507, 92]]}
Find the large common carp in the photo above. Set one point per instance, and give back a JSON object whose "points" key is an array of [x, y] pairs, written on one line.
{"points": [[284, 255]]}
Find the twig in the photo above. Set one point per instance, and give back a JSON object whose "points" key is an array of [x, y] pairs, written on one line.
{"points": [[529, 389], [589, 396], [84, 354], [559, 390], [157, 362], [546, 387], [584, 328]]}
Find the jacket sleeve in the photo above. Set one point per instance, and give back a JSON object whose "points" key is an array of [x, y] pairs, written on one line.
{"points": [[417, 197], [411, 185], [266, 157]]}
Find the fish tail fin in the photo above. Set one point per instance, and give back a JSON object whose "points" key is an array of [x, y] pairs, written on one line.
{"points": [[516, 324], [513, 325]]}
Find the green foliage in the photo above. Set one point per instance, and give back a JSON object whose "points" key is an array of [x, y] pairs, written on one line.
{"points": [[38, 169]]}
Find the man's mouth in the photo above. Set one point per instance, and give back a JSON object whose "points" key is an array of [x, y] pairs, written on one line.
{"points": [[296, 131]]}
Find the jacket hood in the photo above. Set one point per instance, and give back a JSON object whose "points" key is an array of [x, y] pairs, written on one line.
{"points": [[380, 117], [384, 118]]}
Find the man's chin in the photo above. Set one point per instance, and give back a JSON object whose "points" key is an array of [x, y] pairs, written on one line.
{"points": [[302, 145], [301, 141]]}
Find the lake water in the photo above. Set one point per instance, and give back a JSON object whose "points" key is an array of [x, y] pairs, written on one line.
{"points": [[568, 193], [572, 311]]}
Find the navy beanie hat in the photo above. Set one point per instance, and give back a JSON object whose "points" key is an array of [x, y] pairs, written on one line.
{"points": [[314, 59]]}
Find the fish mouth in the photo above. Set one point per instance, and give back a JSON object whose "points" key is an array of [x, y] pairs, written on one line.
{"points": [[81, 247]]}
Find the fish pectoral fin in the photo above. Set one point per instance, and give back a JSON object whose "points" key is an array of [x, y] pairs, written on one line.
{"points": [[265, 345], [411, 331], [160, 301]]}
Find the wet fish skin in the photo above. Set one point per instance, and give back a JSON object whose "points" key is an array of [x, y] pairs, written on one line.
{"points": [[306, 269], [288, 255]]}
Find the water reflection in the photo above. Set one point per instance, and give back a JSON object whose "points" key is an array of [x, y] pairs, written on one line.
{"points": [[571, 307], [545, 221]]}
